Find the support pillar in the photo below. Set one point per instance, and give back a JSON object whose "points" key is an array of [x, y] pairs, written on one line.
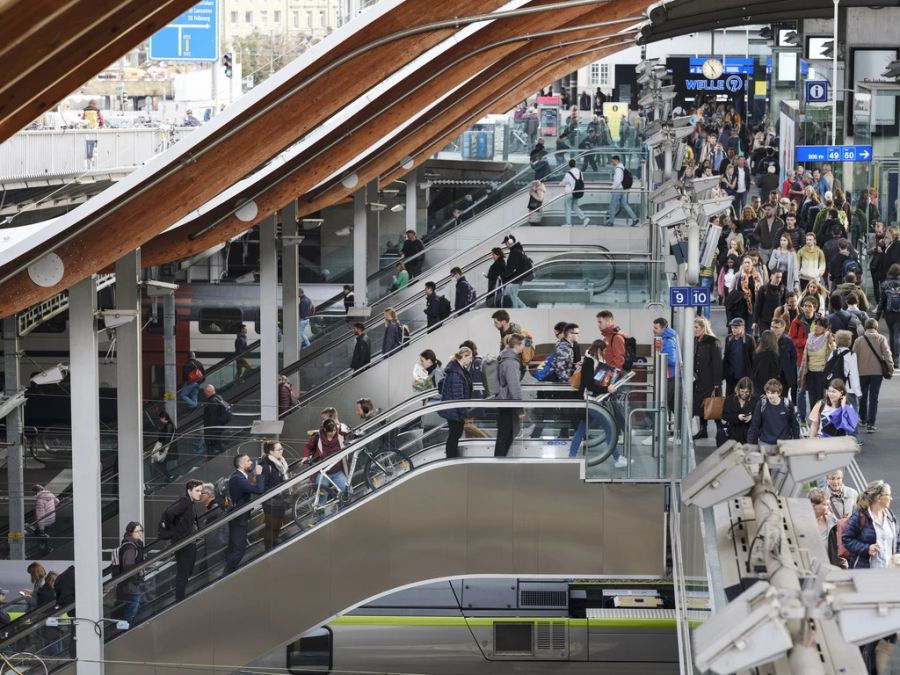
{"points": [[290, 282], [360, 234], [15, 456], [129, 407], [412, 205], [268, 320], [85, 399], [170, 349]]}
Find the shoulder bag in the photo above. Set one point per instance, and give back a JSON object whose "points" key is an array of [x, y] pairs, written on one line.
{"points": [[887, 369], [712, 406]]}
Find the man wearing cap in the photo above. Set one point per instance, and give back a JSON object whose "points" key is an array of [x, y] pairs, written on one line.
{"points": [[738, 357]]}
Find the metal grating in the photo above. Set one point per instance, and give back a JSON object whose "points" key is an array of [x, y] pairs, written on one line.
{"points": [[37, 314], [544, 599], [550, 636]]}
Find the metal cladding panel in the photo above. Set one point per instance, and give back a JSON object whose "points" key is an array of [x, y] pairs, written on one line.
{"points": [[460, 518]]}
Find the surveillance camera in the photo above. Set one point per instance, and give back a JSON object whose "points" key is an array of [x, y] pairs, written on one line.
{"points": [[721, 476], [53, 375], [157, 288], [113, 318], [292, 240], [377, 206]]}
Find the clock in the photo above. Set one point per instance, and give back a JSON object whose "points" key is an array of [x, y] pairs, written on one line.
{"points": [[712, 69]]}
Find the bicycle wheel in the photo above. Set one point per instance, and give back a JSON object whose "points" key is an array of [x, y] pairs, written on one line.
{"points": [[384, 466], [304, 507], [601, 437]]}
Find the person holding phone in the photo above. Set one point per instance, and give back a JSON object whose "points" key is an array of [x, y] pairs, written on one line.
{"points": [[833, 415]]}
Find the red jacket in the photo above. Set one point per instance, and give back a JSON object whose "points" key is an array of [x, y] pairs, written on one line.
{"points": [[799, 333], [319, 447], [614, 354]]}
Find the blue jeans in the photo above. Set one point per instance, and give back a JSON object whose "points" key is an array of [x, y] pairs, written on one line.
{"points": [[617, 202], [130, 605], [706, 282], [572, 205], [596, 424], [323, 485], [815, 387], [304, 339], [188, 393], [511, 291], [868, 402]]}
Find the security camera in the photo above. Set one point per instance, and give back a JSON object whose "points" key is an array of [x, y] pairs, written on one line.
{"points": [[53, 375], [377, 206], [113, 318], [157, 288], [292, 240]]}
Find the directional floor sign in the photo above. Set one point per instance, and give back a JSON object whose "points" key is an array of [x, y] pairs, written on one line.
{"points": [[816, 91], [689, 296], [193, 36], [834, 153]]}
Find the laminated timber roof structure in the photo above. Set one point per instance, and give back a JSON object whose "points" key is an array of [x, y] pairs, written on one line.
{"points": [[375, 98]]}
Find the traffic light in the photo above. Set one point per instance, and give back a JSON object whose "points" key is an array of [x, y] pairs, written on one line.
{"points": [[227, 62]]}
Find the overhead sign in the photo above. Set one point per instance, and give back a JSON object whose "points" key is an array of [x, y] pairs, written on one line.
{"points": [[816, 91], [732, 66], [732, 83], [193, 36], [834, 153], [689, 296]]}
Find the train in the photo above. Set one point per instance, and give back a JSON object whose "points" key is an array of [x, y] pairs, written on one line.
{"points": [[501, 625]]}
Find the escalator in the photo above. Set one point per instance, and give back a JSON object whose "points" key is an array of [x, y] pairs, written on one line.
{"points": [[573, 286], [427, 519]]}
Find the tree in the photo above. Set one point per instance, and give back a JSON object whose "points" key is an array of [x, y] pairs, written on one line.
{"points": [[261, 55]]}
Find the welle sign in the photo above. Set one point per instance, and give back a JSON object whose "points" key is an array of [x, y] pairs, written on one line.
{"points": [[732, 83]]}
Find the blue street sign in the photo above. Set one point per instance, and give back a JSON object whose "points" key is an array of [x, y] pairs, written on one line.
{"points": [[689, 296], [834, 153], [816, 91], [193, 36]]}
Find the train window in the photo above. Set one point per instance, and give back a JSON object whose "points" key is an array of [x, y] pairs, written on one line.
{"points": [[312, 653], [220, 320], [513, 638]]}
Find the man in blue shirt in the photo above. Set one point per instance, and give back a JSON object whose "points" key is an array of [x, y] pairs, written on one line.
{"points": [[240, 490]]}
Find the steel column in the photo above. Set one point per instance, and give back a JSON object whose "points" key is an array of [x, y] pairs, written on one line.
{"points": [[170, 355], [412, 179], [85, 399], [129, 409], [290, 283], [360, 235], [15, 461], [268, 320]]}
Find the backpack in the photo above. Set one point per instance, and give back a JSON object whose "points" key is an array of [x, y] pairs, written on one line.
{"points": [[578, 191], [471, 295], [892, 299], [115, 560], [840, 526], [627, 179], [528, 351], [444, 307], [490, 376], [853, 265], [834, 368], [528, 268], [222, 495], [404, 334], [630, 351], [546, 368]]}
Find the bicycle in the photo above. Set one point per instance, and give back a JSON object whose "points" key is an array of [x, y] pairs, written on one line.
{"points": [[380, 467]]}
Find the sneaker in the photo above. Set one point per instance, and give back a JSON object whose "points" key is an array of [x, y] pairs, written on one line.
{"points": [[647, 441], [621, 463], [634, 223], [700, 435], [871, 428], [586, 222]]}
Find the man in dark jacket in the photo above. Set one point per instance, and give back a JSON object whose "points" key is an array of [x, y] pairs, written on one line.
{"points": [[240, 346], [432, 304], [773, 418], [516, 266], [241, 490], [768, 231], [179, 522], [362, 350], [190, 388], [305, 311], [787, 353], [769, 297], [738, 357], [216, 414], [411, 247], [462, 289]]}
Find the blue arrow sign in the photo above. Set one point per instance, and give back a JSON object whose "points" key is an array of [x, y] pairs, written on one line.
{"points": [[834, 153], [689, 296], [816, 91], [193, 36]]}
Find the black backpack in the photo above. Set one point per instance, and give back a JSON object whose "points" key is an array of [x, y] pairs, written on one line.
{"points": [[528, 268], [853, 265], [444, 307], [627, 179], [578, 192], [834, 368], [630, 353]]}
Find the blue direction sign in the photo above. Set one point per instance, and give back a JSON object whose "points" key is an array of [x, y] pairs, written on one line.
{"points": [[193, 36], [834, 153], [689, 296], [816, 91]]}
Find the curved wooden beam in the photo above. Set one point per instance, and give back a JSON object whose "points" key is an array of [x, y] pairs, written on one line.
{"points": [[190, 180]]}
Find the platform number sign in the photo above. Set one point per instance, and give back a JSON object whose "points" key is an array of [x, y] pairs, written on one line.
{"points": [[816, 91], [689, 296]]}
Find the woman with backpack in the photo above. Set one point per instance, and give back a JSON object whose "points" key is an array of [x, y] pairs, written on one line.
{"points": [[130, 554], [889, 306], [393, 333], [842, 364], [495, 276], [457, 386], [874, 360], [833, 415]]}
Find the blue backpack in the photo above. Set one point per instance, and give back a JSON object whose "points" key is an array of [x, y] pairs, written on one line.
{"points": [[546, 369]]}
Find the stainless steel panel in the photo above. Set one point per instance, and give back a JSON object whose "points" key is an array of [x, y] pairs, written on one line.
{"points": [[417, 529]]}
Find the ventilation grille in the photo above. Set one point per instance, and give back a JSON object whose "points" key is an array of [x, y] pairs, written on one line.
{"points": [[544, 599], [550, 636]]}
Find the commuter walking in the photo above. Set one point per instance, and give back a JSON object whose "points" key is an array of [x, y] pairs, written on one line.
{"points": [[773, 418], [401, 277], [306, 310], [668, 345], [509, 375], [465, 293], [495, 277], [288, 396], [179, 522], [841, 497], [737, 411], [769, 297], [766, 363], [615, 351], [274, 473], [192, 374], [164, 450], [38, 575], [434, 313], [738, 357], [45, 503], [348, 298], [536, 194], [410, 251], [393, 333], [131, 554], [874, 360], [833, 415], [819, 346], [618, 199], [240, 491], [889, 305], [216, 414], [573, 184], [517, 265], [457, 386], [871, 532], [707, 370], [362, 350], [242, 365], [787, 355]]}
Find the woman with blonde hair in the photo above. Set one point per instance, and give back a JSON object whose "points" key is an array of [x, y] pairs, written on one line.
{"points": [[393, 334], [457, 387], [536, 194], [707, 369]]}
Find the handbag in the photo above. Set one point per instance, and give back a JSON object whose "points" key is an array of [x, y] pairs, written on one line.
{"points": [[712, 406], [194, 374], [159, 452], [575, 379], [887, 369], [471, 431]]}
